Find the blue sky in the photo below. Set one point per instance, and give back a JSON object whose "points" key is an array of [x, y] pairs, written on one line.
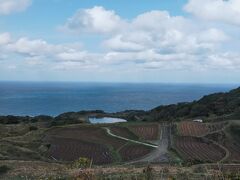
{"points": [[43, 17], [190, 41]]}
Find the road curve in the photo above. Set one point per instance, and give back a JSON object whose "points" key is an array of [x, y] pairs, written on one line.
{"points": [[130, 140]]}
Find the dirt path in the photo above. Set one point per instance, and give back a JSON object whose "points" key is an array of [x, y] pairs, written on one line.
{"points": [[160, 154], [129, 140]]}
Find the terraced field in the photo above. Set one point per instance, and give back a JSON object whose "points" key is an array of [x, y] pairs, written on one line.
{"points": [[232, 146], [195, 129], [195, 149], [188, 128], [208, 142], [71, 143], [198, 142], [134, 151], [66, 149], [124, 132], [234, 150], [146, 131], [87, 133]]}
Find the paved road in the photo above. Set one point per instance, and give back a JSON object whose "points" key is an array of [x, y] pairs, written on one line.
{"points": [[129, 140]]}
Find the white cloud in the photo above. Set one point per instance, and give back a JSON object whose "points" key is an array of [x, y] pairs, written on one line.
{"points": [[95, 20], [153, 40], [159, 20], [38, 52], [227, 11], [226, 60], [213, 35], [78, 56], [118, 43], [5, 38], [72, 56], [143, 57], [36, 47], [165, 34], [12, 6]]}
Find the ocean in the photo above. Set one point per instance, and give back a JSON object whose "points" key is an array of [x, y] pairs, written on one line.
{"points": [[37, 98]]}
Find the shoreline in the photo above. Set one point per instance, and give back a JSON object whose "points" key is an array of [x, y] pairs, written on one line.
{"points": [[214, 106]]}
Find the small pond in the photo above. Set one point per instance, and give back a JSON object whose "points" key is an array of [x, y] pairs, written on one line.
{"points": [[101, 120]]}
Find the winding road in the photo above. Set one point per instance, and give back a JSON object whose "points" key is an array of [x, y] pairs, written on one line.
{"points": [[159, 154], [129, 140]]}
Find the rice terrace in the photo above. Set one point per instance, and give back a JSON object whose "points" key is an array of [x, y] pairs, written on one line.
{"points": [[94, 142], [129, 144], [139, 142]]}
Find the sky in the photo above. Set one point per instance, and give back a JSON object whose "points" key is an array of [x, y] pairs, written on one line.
{"points": [[170, 41]]}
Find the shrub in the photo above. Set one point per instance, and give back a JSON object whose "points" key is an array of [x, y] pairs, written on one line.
{"points": [[85, 174], [4, 169], [33, 128], [165, 170], [148, 172], [82, 163], [200, 169]]}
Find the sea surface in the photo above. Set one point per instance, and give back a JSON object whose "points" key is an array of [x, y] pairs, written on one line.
{"points": [[36, 98]]}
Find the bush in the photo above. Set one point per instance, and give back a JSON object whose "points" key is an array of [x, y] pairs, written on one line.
{"points": [[148, 172], [165, 170], [200, 169], [84, 174], [82, 163], [33, 128], [4, 169]]}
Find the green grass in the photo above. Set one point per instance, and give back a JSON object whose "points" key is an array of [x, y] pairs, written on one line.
{"points": [[116, 156]]}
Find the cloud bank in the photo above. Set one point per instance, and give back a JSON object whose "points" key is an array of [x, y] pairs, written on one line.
{"points": [[227, 11], [12, 6], [152, 41]]}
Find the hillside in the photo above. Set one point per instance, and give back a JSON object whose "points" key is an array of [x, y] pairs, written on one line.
{"points": [[214, 107], [67, 145], [218, 106]]}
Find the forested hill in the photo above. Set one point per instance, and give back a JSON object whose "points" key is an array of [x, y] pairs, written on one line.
{"points": [[214, 106]]}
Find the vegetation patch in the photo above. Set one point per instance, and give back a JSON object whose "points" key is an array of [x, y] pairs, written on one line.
{"points": [[4, 169]]}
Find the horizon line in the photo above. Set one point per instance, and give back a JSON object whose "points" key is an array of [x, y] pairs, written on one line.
{"points": [[118, 82]]}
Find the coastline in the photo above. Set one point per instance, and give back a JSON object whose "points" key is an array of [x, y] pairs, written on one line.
{"points": [[213, 106]]}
